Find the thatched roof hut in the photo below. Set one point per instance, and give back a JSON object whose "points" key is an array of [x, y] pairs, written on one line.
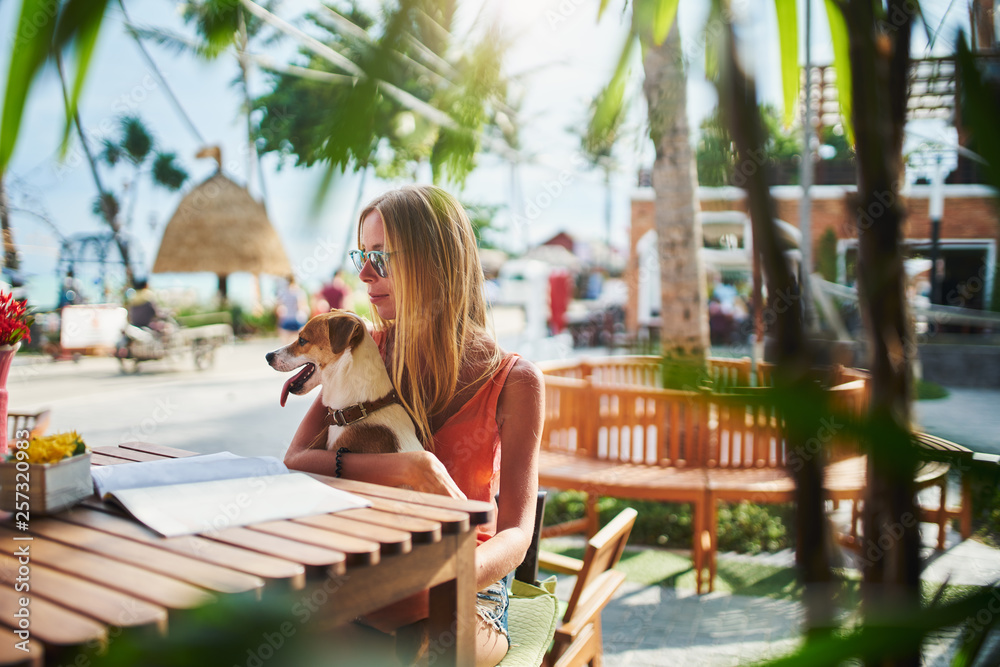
{"points": [[219, 228]]}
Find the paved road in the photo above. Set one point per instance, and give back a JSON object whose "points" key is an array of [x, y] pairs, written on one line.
{"points": [[970, 417], [231, 406]]}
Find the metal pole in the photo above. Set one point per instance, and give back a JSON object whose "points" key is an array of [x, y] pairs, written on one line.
{"points": [[805, 206]]}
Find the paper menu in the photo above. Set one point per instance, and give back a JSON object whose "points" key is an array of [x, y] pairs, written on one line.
{"points": [[212, 506], [207, 467], [206, 494]]}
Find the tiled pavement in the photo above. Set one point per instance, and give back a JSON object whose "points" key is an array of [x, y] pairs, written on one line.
{"points": [[646, 626]]}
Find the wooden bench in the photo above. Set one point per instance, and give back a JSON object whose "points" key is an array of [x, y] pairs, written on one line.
{"points": [[36, 423], [610, 431]]}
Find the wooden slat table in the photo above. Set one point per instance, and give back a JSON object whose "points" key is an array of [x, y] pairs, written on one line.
{"points": [[93, 569]]}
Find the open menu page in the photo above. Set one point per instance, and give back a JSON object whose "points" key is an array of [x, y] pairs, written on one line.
{"points": [[205, 494]]}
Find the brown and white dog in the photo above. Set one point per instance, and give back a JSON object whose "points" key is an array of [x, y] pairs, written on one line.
{"points": [[336, 350]]}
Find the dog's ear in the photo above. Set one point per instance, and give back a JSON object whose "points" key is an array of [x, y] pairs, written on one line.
{"points": [[345, 332]]}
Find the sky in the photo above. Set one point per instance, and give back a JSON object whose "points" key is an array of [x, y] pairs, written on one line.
{"points": [[561, 57]]}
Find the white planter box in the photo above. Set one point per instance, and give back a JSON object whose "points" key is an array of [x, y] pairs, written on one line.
{"points": [[51, 486]]}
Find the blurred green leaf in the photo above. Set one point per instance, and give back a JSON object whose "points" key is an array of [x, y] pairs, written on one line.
{"points": [[842, 64], [666, 10], [46, 28], [217, 21], [788, 33], [80, 22], [609, 106], [421, 95], [30, 48]]}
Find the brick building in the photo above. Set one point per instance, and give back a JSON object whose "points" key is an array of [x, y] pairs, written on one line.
{"points": [[970, 234]]}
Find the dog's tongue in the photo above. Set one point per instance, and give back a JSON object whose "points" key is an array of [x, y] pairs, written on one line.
{"points": [[284, 390]]}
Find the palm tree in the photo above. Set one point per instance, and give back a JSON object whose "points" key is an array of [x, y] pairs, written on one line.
{"points": [[371, 94], [684, 333], [136, 148], [598, 145], [221, 26]]}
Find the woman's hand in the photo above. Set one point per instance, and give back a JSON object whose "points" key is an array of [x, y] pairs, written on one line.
{"points": [[426, 473]]}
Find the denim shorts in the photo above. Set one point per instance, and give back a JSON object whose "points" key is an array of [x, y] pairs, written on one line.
{"points": [[493, 603]]}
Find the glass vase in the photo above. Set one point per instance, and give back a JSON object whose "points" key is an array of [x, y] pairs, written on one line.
{"points": [[6, 357]]}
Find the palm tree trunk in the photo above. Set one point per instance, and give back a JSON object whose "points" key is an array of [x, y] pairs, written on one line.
{"points": [[176, 103], [800, 404], [109, 216], [684, 332], [244, 62], [10, 259], [879, 65]]}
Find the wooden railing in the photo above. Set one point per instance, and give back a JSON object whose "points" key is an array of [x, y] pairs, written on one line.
{"points": [[611, 410]]}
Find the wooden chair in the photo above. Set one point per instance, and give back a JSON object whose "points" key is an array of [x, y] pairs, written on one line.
{"points": [[578, 639], [36, 423]]}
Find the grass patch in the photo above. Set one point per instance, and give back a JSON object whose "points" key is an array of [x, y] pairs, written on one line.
{"points": [[930, 391], [658, 567], [740, 576]]}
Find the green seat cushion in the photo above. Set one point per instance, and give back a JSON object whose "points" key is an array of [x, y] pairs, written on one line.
{"points": [[532, 621]]}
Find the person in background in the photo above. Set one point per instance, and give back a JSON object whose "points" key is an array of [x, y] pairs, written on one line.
{"points": [[69, 293], [477, 409], [143, 311], [292, 310], [334, 294]]}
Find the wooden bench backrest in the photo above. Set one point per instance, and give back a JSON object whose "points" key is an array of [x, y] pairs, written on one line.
{"points": [[566, 427], [744, 431], [35, 423], [651, 426], [613, 421], [726, 374]]}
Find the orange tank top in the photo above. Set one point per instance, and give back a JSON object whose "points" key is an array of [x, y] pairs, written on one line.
{"points": [[468, 443]]}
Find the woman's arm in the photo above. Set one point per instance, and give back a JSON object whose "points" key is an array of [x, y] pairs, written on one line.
{"points": [[520, 413], [421, 471], [299, 456]]}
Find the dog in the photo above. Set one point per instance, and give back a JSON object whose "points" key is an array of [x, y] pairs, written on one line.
{"points": [[364, 415]]}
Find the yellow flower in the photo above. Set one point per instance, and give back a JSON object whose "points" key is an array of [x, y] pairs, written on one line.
{"points": [[56, 447]]}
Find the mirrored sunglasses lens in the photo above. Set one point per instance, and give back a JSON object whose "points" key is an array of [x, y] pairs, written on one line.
{"points": [[379, 263], [359, 259]]}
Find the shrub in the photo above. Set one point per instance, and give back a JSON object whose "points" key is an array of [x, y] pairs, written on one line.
{"points": [[742, 527], [928, 391], [248, 324]]}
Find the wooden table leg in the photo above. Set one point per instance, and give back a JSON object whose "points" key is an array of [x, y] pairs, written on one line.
{"points": [[712, 528], [452, 622], [698, 542]]}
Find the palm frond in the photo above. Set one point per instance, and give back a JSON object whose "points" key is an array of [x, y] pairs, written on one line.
{"points": [[136, 141], [167, 172]]}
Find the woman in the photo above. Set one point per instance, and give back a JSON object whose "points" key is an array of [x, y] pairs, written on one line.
{"points": [[292, 310], [477, 409]]}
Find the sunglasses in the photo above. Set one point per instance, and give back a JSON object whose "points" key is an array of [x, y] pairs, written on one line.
{"points": [[379, 261]]}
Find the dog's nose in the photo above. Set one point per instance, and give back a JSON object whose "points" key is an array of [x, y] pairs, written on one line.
{"points": [[269, 356]]}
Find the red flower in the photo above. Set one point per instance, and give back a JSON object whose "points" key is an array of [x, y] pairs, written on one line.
{"points": [[15, 322]]}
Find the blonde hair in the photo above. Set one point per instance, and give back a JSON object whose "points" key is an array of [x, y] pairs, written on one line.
{"points": [[440, 307]]}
